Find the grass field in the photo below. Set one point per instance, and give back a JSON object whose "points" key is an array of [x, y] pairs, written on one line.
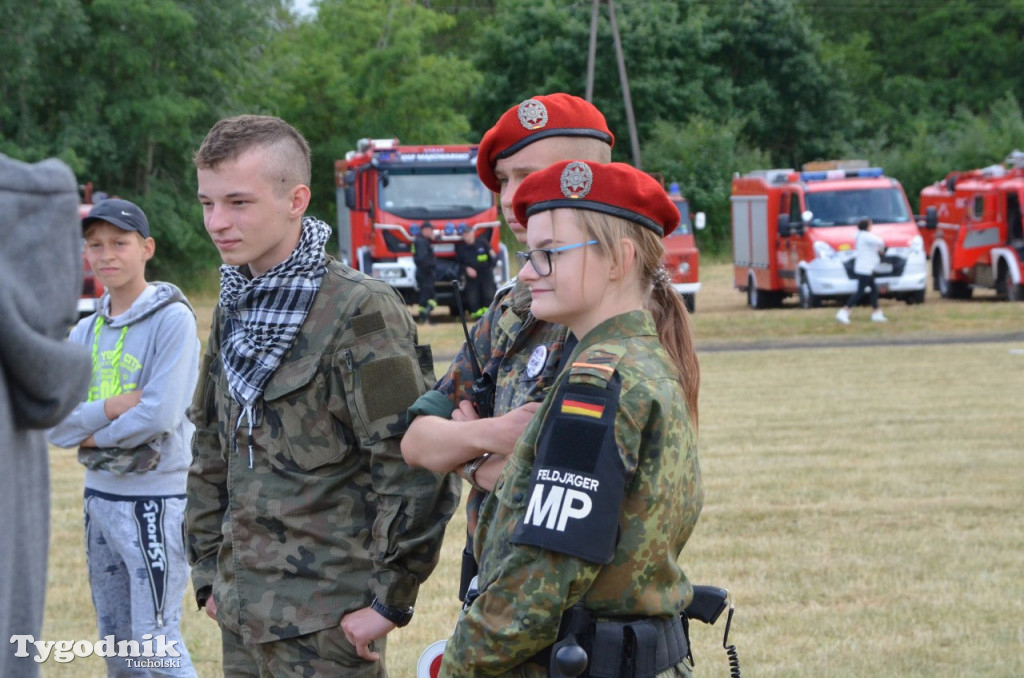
{"points": [[863, 503]]}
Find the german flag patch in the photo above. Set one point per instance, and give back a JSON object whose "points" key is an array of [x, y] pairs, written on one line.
{"points": [[583, 408]]}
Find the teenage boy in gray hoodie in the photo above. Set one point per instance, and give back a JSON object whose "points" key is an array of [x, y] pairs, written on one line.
{"points": [[134, 439]]}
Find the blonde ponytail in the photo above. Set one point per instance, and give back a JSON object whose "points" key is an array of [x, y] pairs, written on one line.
{"points": [[671, 318]]}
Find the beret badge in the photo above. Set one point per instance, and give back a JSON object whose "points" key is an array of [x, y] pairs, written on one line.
{"points": [[532, 114], [577, 180]]}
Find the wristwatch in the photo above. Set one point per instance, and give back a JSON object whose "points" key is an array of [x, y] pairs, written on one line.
{"points": [[469, 470], [398, 616]]}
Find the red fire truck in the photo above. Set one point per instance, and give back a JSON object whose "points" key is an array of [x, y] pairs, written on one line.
{"points": [[385, 192], [793, 233], [973, 231], [682, 258], [92, 289]]}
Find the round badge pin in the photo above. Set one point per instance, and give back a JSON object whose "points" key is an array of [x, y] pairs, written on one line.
{"points": [[537, 361], [577, 180], [532, 114]]}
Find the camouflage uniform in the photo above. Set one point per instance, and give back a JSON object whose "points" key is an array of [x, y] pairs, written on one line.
{"points": [[505, 338], [525, 589], [327, 515]]}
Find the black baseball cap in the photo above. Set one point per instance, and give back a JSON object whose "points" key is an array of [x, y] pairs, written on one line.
{"points": [[121, 213]]}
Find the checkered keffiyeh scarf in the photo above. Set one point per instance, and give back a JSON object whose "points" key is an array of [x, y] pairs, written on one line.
{"points": [[263, 315]]}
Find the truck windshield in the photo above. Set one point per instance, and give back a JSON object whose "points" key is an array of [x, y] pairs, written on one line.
{"points": [[423, 195], [684, 225], [845, 208]]}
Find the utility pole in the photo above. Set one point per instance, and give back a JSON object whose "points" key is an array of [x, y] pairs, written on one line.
{"points": [[623, 78]]}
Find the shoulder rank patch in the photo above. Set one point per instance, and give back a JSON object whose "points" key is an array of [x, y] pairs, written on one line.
{"points": [[579, 481], [595, 366]]}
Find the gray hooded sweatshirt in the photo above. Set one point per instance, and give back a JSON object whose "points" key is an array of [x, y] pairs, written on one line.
{"points": [[159, 355], [43, 377]]}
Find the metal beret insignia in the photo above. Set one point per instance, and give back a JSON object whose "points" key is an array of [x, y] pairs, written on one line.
{"points": [[577, 180], [533, 114]]}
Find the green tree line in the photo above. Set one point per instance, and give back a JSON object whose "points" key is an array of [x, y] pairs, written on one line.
{"points": [[124, 90]]}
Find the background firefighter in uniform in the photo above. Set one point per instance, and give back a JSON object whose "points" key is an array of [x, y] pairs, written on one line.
{"points": [[308, 533], [868, 249], [521, 354], [476, 258], [426, 269], [604, 487], [133, 436]]}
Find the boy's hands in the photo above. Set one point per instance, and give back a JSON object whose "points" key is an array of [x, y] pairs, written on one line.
{"points": [[115, 406]]}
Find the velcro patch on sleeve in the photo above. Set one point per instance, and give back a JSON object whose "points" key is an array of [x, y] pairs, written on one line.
{"points": [[578, 480], [390, 385], [369, 323]]}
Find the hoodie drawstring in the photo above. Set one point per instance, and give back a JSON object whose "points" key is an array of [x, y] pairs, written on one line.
{"points": [[96, 390]]}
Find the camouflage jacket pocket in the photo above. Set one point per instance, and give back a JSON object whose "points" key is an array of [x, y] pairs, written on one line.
{"points": [[296, 425], [119, 460], [380, 384], [513, 488]]}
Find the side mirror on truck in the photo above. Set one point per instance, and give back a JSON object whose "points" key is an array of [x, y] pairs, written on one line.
{"points": [[783, 226], [931, 218], [700, 221], [787, 227], [350, 189]]}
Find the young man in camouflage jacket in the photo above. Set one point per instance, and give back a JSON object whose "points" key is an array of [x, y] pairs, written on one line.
{"points": [[308, 534]]}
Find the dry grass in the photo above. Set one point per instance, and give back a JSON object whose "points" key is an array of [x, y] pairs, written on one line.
{"points": [[863, 504]]}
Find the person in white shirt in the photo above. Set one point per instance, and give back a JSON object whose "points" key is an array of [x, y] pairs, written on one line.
{"points": [[869, 248]]}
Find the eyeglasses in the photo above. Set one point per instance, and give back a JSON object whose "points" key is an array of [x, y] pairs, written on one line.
{"points": [[541, 259]]}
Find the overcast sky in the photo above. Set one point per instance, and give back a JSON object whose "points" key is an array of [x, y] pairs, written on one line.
{"points": [[303, 6]]}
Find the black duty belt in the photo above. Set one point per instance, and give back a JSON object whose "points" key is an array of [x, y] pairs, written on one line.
{"points": [[625, 648]]}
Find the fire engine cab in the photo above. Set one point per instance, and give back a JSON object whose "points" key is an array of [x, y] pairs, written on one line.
{"points": [[385, 192], [682, 258], [973, 231], [793, 233]]}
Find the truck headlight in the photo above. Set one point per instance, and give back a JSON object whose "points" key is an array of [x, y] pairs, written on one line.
{"points": [[823, 250], [917, 244]]}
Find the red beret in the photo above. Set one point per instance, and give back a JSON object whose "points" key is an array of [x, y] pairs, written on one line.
{"points": [[614, 188], [551, 115]]}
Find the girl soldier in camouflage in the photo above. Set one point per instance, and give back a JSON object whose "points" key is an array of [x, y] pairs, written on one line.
{"points": [[579, 542]]}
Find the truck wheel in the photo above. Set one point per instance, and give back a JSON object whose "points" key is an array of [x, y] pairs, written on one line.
{"points": [[949, 289], [756, 298], [941, 281], [915, 297], [808, 299], [690, 301], [1006, 286]]}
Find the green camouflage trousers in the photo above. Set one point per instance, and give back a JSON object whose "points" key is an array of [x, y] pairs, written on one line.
{"points": [[322, 653]]}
